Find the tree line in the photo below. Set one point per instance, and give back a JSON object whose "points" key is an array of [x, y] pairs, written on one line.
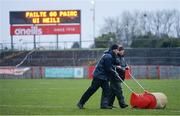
{"points": [[141, 29]]}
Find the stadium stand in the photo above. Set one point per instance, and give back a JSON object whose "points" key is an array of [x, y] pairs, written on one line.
{"points": [[138, 56]]}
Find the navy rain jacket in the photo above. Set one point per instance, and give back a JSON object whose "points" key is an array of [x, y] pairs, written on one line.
{"points": [[104, 68]]}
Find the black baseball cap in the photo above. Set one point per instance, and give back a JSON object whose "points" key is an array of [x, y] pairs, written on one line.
{"points": [[114, 46]]}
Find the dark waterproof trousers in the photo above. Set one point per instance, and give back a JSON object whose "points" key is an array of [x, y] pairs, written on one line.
{"points": [[96, 83], [116, 90]]}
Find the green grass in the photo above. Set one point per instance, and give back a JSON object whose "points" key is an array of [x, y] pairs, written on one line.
{"points": [[59, 96]]}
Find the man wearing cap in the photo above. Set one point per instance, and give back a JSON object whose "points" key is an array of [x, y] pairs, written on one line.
{"points": [[115, 83], [102, 73]]}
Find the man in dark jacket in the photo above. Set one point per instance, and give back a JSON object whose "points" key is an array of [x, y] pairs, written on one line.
{"points": [[102, 73], [115, 83]]}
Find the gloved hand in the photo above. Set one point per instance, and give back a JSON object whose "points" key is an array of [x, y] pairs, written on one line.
{"points": [[127, 68], [118, 67]]}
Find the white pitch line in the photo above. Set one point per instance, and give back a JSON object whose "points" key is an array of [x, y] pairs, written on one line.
{"points": [[34, 106], [31, 89], [63, 88], [174, 111]]}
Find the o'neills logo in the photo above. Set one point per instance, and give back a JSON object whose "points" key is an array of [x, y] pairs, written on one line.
{"points": [[28, 31]]}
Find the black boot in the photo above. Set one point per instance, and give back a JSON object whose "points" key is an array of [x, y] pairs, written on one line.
{"points": [[106, 107], [123, 105], [80, 106]]}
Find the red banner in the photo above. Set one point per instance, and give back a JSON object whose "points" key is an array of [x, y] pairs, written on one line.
{"points": [[45, 30], [90, 71]]}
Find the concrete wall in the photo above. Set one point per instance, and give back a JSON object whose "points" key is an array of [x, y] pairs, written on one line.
{"points": [[136, 56]]}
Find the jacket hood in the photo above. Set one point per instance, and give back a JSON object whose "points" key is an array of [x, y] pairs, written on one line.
{"points": [[106, 51], [110, 52]]}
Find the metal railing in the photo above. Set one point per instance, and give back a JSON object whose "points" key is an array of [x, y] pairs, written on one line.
{"points": [[21, 46]]}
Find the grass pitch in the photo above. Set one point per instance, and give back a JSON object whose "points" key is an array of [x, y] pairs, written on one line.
{"points": [[59, 96]]}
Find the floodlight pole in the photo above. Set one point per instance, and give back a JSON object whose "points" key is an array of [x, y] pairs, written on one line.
{"points": [[57, 41], [80, 36], [145, 18], [1, 46], [94, 11], [12, 46], [34, 37]]}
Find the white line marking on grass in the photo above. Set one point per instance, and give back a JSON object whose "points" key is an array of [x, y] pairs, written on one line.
{"points": [[34, 106], [174, 111], [63, 88], [34, 89], [20, 89]]}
